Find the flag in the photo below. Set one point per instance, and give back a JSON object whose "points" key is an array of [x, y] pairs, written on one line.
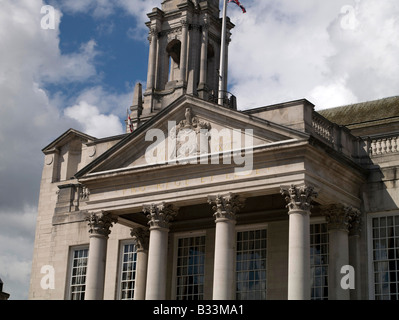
{"points": [[239, 4]]}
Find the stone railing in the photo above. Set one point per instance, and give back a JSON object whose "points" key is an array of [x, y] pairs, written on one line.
{"points": [[384, 145], [323, 128], [337, 137]]}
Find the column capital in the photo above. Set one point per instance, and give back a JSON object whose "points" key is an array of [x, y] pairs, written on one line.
{"points": [[298, 198], [100, 223], [225, 207], [153, 31], [141, 237], [160, 215], [342, 217], [184, 23]]}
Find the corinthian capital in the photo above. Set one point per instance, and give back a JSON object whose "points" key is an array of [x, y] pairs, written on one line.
{"points": [[342, 217], [141, 237], [298, 198], [159, 215], [225, 207], [100, 223]]}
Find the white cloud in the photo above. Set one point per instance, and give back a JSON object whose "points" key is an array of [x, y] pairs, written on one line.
{"points": [[285, 50], [93, 122], [16, 247], [30, 117]]}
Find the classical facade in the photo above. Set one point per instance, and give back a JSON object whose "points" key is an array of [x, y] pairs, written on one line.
{"points": [[201, 201]]}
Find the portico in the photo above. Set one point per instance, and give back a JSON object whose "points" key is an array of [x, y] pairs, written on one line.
{"points": [[291, 182]]}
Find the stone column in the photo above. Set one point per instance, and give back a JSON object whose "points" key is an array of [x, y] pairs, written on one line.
{"points": [[100, 224], [299, 203], [339, 219], [159, 217], [225, 209], [183, 53], [152, 59], [141, 237], [202, 87]]}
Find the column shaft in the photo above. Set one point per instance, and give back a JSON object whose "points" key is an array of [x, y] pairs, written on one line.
{"points": [[204, 55], [159, 217], [141, 275], [299, 256], [152, 60], [141, 238], [299, 203], [183, 54], [100, 224], [223, 275], [341, 219], [95, 275], [225, 208], [338, 257], [157, 260]]}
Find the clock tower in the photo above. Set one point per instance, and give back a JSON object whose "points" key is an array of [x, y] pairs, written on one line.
{"points": [[184, 56]]}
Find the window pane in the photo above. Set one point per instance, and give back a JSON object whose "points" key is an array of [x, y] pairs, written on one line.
{"points": [[190, 268], [386, 258], [319, 261], [128, 271], [251, 265], [78, 274]]}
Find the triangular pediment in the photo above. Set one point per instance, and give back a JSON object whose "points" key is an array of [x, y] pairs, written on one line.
{"points": [[65, 138], [186, 132]]}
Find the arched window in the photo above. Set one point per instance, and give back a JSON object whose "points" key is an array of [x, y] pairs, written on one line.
{"points": [[173, 50]]}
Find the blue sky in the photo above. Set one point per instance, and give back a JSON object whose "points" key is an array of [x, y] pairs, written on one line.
{"points": [[82, 74]]}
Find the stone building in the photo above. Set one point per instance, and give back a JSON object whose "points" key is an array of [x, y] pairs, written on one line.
{"points": [[201, 201]]}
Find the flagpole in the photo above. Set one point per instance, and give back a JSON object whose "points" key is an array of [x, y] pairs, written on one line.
{"points": [[222, 89]]}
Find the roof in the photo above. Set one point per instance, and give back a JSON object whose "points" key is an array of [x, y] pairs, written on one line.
{"points": [[369, 111]]}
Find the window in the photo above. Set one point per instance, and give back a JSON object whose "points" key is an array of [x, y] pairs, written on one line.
{"points": [[78, 269], [385, 235], [251, 265], [190, 268], [319, 261], [128, 259]]}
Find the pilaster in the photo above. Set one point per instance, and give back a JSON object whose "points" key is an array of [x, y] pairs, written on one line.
{"points": [[341, 219], [141, 238]]}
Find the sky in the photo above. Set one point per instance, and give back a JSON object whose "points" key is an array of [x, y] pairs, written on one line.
{"points": [[81, 74]]}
